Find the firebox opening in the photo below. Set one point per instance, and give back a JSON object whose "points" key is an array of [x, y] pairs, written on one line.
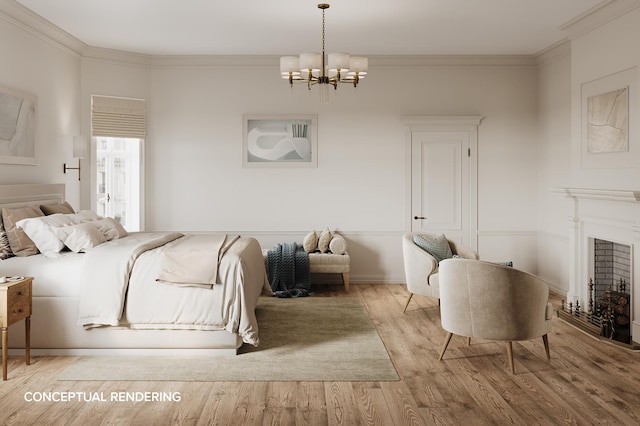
{"points": [[611, 293]]}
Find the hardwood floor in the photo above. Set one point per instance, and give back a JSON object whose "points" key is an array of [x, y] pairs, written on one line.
{"points": [[586, 382]]}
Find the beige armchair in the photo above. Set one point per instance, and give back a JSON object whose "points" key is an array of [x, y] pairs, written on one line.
{"points": [[421, 268], [488, 301]]}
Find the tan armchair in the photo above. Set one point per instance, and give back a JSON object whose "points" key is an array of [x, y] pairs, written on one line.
{"points": [[488, 301], [421, 268]]}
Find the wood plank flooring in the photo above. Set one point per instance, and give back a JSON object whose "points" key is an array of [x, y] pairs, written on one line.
{"points": [[587, 382]]}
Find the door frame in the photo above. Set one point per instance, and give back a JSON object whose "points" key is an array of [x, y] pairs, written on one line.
{"points": [[458, 124]]}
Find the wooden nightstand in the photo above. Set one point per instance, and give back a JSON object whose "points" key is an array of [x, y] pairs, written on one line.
{"points": [[15, 305]]}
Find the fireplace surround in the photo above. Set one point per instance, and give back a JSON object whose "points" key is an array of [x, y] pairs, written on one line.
{"points": [[612, 216]]}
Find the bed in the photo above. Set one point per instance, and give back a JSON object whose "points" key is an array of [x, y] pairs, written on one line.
{"points": [[116, 297]]}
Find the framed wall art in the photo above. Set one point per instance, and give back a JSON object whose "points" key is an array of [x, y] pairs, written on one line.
{"points": [[609, 110], [280, 141], [17, 127]]}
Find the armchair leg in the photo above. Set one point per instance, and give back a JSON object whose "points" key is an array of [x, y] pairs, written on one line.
{"points": [[545, 339], [407, 304], [446, 343], [510, 356], [468, 341]]}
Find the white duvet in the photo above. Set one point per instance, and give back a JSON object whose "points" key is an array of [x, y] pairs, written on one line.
{"points": [[120, 287]]}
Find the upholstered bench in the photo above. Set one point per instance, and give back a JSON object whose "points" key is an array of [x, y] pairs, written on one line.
{"points": [[327, 254], [327, 263]]}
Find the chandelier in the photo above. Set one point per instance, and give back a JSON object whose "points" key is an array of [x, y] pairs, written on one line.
{"points": [[316, 68]]}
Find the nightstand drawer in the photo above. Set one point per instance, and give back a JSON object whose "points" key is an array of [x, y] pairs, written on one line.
{"points": [[18, 302]]}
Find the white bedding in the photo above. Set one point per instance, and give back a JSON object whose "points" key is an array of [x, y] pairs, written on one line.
{"points": [[196, 326], [126, 270], [150, 304], [53, 277]]}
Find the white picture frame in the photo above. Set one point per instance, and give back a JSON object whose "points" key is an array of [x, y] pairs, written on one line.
{"points": [[280, 140], [609, 143], [18, 118]]}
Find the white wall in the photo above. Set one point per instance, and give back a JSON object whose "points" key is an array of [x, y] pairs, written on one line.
{"points": [[195, 178], [554, 165], [51, 72], [563, 73], [602, 52]]}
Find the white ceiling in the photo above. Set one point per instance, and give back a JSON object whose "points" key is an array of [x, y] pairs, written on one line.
{"points": [[283, 27]]}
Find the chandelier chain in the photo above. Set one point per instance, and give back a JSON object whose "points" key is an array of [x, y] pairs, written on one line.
{"points": [[323, 31]]}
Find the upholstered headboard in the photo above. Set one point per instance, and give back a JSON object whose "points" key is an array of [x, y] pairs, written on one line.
{"points": [[15, 196]]}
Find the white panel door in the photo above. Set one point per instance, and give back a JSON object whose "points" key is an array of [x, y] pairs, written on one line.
{"points": [[440, 184]]}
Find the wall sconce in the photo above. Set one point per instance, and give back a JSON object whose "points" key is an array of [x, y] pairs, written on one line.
{"points": [[79, 151]]}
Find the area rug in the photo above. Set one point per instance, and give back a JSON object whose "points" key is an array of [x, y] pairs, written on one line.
{"points": [[301, 339]]}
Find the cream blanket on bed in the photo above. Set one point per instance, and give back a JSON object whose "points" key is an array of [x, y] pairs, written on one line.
{"points": [[193, 260], [105, 275]]}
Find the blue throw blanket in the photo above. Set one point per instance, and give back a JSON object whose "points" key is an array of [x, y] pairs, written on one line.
{"points": [[288, 270]]}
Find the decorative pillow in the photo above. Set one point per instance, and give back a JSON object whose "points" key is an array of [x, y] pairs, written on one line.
{"points": [[110, 228], [81, 237], [64, 208], [21, 245], [436, 245], [40, 231], [324, 240], [310, 242], [338, 245], [5, 248]]}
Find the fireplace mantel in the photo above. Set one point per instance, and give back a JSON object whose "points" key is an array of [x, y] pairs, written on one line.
{"points": [[608, 214], [600, 194]]}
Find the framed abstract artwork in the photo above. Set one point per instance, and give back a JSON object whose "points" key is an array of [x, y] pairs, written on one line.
{"points": [[608, 116], [280, 141], [17, 127]]}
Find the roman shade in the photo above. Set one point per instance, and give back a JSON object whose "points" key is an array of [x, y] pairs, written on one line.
{"points": [[118, 117]]}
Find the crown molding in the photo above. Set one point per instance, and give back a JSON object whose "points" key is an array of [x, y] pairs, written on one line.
{"points": [[120, 56], [554, 53], [601, 14], [452, 61], [214, 61], [23, 18]]}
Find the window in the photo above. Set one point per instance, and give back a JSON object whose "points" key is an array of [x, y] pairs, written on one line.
{"points": [[118, 128], [118, 180]]}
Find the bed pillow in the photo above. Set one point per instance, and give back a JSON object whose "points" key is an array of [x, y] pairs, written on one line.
{"points": [[81, 237], [310, 242], [5, 248], [110, 228], [338, 245], [21, 245], [324, 240], [40, 231], [64, 208]]}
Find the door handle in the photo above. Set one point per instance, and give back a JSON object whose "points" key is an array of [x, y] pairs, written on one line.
{"points": [[419, 217]]}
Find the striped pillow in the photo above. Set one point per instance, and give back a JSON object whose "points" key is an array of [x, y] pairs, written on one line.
{"points": [[5, 248]]}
